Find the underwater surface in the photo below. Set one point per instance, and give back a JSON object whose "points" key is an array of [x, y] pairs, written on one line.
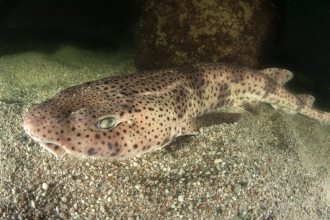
{"points": [[269, 165]]}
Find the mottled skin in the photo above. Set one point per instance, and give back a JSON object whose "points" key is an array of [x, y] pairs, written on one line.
{"points": [[151, 108]]}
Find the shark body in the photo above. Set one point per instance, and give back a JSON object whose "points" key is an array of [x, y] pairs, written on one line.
{"points": [[120, 117]]}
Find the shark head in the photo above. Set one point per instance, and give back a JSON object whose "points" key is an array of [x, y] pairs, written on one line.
{"points": [[90, 120]]}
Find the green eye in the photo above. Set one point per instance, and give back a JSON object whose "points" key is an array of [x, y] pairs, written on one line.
{"points": [[106, 123]]}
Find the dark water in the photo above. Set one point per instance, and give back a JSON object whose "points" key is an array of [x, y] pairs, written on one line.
{"points": [[303, 47], [302, 44]]}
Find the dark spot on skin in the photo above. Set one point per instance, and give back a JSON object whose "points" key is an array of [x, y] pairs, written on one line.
{"points": [[109, 145], [91, 151], [135, 146], [97, 136]]}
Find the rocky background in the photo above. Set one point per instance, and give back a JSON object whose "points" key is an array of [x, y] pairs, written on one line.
{"points": [[292, 34]]}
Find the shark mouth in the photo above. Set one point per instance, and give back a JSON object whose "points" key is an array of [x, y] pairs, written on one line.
{"points": [[55, 149]]}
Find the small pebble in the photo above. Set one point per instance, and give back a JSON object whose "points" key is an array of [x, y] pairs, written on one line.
{"points": [[237, 188], [102, 208], [180, 198], [45, 186], [22, 139], [64, 199], [33, 204], [217, 161]]}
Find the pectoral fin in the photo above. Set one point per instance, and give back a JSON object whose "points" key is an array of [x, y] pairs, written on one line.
{"points": [[250, 106], [193, 125]]}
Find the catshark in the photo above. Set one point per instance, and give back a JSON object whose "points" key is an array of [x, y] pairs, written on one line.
{"points": [[119, 117]]}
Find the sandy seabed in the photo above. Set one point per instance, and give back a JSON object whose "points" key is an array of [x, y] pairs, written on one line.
{"points": [[269, 166]]}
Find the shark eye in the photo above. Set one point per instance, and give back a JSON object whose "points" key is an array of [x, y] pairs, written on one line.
{"points": [[106, 123]]}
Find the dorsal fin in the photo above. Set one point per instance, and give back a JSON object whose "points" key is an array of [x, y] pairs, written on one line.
{"points": [[306, 99], [281, 76]]}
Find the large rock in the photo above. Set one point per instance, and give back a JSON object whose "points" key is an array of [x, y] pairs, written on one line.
{"points": [[176, 32]]}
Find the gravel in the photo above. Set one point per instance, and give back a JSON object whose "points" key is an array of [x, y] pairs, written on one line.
{"points": [[266, 166]]}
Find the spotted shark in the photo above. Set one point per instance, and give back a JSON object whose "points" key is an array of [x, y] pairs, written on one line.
{"points": [[119, 117]]}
